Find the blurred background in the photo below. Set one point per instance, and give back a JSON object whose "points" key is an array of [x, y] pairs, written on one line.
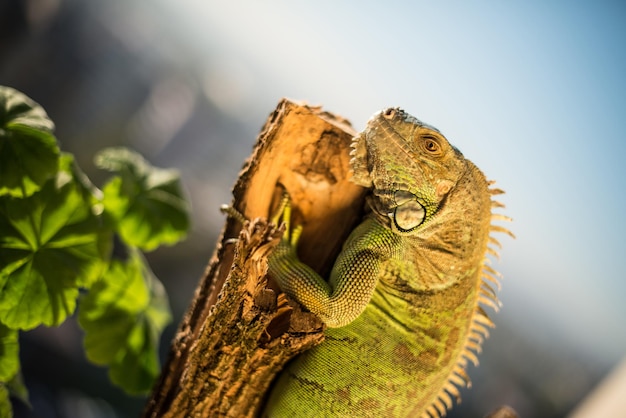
{"points": [[533, 92]]}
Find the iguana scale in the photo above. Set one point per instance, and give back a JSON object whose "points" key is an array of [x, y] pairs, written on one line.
{"points": [[404, 299]]}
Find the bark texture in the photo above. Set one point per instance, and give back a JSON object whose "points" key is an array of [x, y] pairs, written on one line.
{"points": [[240, 330]]}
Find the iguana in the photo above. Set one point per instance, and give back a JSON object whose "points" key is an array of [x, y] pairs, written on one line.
{"points": [[403, 301]]}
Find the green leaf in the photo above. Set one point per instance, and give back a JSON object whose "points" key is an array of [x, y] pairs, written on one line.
{"points": [[6, 410], [123, 316], [9, 353], [145, 202], [11, 382], [29, 154], [51, 244], [17, 389]]}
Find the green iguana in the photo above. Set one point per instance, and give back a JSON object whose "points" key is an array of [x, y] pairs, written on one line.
{"points": [[403, 301]]}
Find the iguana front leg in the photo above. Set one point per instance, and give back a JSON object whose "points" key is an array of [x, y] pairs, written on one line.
{"points": [[353, 278]]}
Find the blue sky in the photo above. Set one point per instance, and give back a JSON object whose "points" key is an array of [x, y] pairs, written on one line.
{"points": [[533, 92]]}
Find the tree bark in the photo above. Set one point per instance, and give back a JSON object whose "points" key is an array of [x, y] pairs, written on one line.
{"points": [[240, 330]]}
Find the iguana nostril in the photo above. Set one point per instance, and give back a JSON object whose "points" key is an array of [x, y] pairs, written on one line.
{"points": [[389, 113]]}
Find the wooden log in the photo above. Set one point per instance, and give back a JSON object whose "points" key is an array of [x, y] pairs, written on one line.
{"points": [[240, 330]]}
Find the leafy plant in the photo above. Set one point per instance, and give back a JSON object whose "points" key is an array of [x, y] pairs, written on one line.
{"points": [[56, 238]]}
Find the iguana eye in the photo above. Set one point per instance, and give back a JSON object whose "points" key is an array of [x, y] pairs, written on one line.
{"points": [[431, 145]]}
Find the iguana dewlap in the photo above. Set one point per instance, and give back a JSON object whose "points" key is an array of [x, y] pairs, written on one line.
{"points": [[403, 301]]}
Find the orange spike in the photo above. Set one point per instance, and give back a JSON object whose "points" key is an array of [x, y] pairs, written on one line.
{"points": [[473, 345], [489, 290], [493, 252], [476, 337], [483, 318], [494, 241], [454, 391], [492, 271], [464, 376], [483, 294], [489, 302], [490, 278], [458, 380], [479, 329], [500, 217], [471, 357], [441, 407], [432, 412], [446, 399], [498, 228]]}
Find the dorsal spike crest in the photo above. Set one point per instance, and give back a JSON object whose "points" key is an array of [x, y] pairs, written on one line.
{"points": [[447, 399], [483, 318], [493, 252], [457, 380], [454, 391], [477, 337], [463, 375], [441, 407], [474, 345], [500, 217], [485, 286], [498, 228], [432, 412], [487, 277], [471, 357], [494, 241], [492, 271], [488, 302]]}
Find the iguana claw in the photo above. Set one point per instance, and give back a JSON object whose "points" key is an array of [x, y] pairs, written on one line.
{"points": [[233, 213], [283, 213]]}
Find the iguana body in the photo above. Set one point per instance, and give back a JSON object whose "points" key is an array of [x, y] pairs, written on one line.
{"points": [[403, 300]]}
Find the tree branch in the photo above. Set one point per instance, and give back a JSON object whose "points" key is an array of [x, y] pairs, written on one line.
{"points": [[240, 330]]}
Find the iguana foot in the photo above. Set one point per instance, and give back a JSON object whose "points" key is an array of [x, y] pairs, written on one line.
{"points": [[283, 213], [291, 236]]}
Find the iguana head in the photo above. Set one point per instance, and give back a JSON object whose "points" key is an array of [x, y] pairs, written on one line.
{"points": [[410, 166]]}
